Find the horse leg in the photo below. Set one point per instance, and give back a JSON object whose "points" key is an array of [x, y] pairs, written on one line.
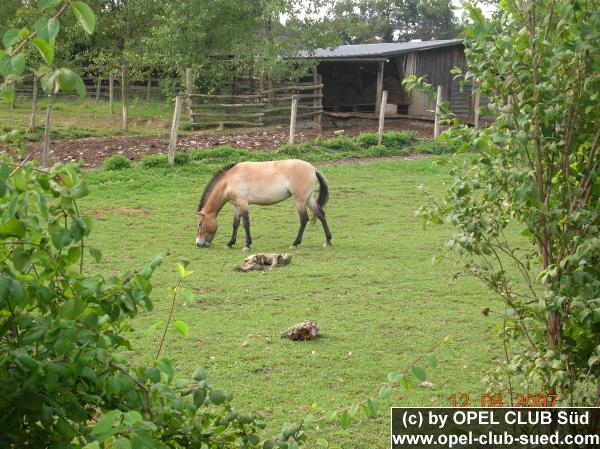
{"points": [[303, 220], [246, 220], [320, 214], [236, 224]]}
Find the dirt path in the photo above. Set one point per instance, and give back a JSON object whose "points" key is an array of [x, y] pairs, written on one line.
{"points": [[93, 150]]}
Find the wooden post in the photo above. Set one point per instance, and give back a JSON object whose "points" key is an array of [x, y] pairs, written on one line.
{"points": [[174, 130], [124, 82], [317, 101], [148, 87], [13, 102], [111, 93], [438, 102], [293, 119], [98, 87], [189, 90], [384, 95], [46, 148], [476, 102], [379, 90], [33, 104]]}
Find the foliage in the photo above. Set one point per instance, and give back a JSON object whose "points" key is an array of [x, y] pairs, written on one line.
{"points": [[537, 63], [398, 139], [363, 22], [116, 162], [432, 146], [161, 160]]}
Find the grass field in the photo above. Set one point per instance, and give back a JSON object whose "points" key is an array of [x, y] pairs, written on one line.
{"points": [[86, 118], [378, 298]]}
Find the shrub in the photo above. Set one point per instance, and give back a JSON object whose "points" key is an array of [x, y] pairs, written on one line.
{"points": [[154, 161], [182, 158], [366, 140], [431, 146], [340, 143], [398, 139], [288, 151], [116, 162]]}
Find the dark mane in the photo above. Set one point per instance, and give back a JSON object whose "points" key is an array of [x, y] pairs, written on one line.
{"points": [[211, 185]]}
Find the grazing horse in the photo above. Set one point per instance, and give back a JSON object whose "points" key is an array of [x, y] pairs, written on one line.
{"points": [[261, 183]]}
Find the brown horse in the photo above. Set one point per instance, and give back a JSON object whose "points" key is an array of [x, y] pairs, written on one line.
{"points": [[261, 183]]}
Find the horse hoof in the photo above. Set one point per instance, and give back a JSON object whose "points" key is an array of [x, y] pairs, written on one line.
{"points": [[327, 245], [246, 249], [293, 246], [227, 246]]}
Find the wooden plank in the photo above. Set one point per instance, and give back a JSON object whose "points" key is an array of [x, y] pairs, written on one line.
{"points": [[46, 147], [438, 102], [382, 115], [287, 108], [125, 111], [225, 105], [236, 123], [379, 90], [299, 96], [293, 114], [300, 87], [174, 131], [33, 104], [111, 93], [236, 97], [228, 114]]}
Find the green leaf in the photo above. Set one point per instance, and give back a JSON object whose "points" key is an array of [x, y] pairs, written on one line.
{"points": [[12, 228], [419, 373], [385, 392], [182, 328], [68, 81], [47, 29], [372, 407], [141, 439], [78, 191], [394, 377], [322, 443], [165, 366], [12, 65], [187, 295], [10, 37], [182, 271], [43, 5], [432, 360], [199, 396], [268, 444], [45, 49], [103, 426], [84, 15], [95, 253], [217, 397]]}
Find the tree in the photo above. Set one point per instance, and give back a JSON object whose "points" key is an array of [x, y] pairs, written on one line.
{"points": [[361, 22], [537, 170]]}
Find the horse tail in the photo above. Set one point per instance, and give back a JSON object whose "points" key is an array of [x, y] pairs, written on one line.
{"points": [[323, 191]]}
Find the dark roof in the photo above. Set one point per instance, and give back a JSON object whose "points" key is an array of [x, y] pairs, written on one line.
{"points": [[373, 50]]}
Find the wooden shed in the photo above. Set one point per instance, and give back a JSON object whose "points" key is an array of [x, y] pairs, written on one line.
{"points": [[354, 76]]}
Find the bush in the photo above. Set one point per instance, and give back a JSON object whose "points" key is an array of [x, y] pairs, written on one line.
{"points": [[154, 161], [182, 158], [340, 143], [431, 146], [116, 162], [366, 140], [398, 139]]}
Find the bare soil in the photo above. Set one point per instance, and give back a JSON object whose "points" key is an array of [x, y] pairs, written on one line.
{"points": [[93, 150]]}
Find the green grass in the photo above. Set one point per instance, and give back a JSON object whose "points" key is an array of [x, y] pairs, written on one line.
{"points": [[378, 298], [76, 118]]}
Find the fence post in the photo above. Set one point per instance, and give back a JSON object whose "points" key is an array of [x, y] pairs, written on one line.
{"points": [[13, 101], [111, 93], [189, 90], [46, 148], [317, 101], [148, 88], [33, 104], [384, 96], [174, 130], [379, 86], [438, 102], [476, 102], [124, 81], [293, 119], [98, 87]]}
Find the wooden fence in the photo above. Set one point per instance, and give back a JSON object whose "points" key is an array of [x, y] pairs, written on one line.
{"points": [[256, 102]]}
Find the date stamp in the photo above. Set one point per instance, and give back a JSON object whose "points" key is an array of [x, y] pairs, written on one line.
{"points": [[462, 400]]}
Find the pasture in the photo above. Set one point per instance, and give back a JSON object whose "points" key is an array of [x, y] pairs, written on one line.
{"points": [[378, 298]]}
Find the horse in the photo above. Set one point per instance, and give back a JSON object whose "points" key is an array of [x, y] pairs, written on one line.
{"points": [[262, 183]]}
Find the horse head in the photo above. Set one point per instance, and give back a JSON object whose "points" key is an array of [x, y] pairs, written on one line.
{"points": [[207, 228]]}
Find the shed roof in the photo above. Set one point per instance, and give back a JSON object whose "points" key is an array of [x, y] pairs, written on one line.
{"points": [[373, 50]]}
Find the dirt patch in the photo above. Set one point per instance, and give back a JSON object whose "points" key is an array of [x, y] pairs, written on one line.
{"points": [[93, 150]]}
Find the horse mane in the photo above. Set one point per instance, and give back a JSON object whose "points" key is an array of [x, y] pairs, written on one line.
{"points": [[211, 185]]}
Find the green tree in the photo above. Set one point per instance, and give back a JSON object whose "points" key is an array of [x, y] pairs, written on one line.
{"points": [[537, 170]]}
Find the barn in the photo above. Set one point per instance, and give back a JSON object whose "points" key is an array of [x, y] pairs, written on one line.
{"points": [[354, 76]]}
